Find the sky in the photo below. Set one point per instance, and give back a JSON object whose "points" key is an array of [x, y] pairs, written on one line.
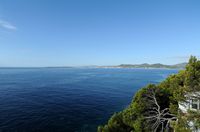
{"points": [[98, 32]]}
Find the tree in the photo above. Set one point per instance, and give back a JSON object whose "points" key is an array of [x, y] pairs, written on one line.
{"points": [[159, 119], [192, 75]]}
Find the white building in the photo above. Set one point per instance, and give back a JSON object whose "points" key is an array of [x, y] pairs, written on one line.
{"points": [[192, 103]]}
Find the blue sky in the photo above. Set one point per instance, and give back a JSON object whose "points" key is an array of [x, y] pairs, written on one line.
{"points": [[98, 32]]}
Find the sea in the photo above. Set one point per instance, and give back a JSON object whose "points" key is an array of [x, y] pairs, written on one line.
{"points": [[68, 99]]}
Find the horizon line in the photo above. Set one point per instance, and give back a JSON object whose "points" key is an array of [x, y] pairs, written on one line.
{"points": [[85, 65]]}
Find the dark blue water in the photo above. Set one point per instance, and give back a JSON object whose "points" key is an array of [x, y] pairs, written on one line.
{"points": [[67, 99]]}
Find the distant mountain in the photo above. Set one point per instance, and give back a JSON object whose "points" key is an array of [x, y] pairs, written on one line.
{"points": [[146, 65]]}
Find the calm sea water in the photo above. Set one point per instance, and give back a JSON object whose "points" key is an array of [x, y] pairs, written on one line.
{"points": [[67, 99]]}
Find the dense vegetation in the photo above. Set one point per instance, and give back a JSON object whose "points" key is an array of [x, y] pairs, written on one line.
{"points": [[155, 107]]}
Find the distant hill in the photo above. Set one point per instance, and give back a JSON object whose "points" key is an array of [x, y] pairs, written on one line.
{"points": [[146, 65]]}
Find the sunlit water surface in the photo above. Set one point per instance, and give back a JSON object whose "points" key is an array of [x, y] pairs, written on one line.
{"points": [[67, 99]]}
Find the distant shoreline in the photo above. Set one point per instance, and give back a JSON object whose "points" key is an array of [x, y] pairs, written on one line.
{"points": [[129, 66], [86, 68]]}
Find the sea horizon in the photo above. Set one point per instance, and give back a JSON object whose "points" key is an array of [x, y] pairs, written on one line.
{"points": [[68, 99]]}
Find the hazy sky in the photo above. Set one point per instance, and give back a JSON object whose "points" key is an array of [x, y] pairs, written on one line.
{"points": [[98, 32]]}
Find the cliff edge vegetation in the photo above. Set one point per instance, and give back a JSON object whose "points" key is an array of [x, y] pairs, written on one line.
{"points": [[156, 107]]}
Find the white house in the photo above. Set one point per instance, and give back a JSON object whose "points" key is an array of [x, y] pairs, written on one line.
{"points": [[192, 103]]}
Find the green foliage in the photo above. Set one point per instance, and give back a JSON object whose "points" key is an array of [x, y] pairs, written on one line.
{"points": [[115, 124], [132, 118], [192, 74], [181, 125], [168, 94], [195, 117]]}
